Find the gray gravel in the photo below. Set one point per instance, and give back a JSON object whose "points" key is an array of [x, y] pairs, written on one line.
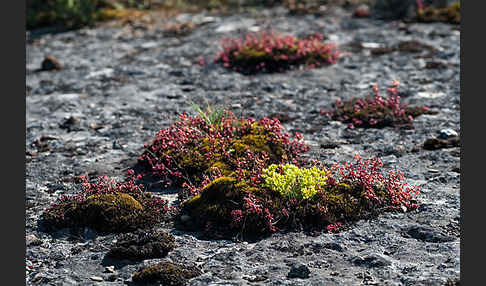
{"points": [[120, 85]]}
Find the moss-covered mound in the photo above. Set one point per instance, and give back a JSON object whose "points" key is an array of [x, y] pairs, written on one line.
{"points": [[268, 52], [450, 14], [195, 149], [142, 245], [377, 111], [290, 198], [165, 273], [106, 206], [220, 208]]}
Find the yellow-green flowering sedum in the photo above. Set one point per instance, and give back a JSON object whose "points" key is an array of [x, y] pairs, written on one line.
{"points": [[294, 182]]}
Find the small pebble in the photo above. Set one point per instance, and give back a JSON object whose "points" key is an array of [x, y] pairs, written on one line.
{"points": [[96, 278], [447, 133], [370, 45], [363, 11], [30, 238], [110, 269], [299, 270], [50, 64]]}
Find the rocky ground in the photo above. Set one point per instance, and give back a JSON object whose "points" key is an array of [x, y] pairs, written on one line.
{"points": [[121, 84]]}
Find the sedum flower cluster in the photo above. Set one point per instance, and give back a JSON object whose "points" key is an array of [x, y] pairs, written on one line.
{"points": [[294, 182]]}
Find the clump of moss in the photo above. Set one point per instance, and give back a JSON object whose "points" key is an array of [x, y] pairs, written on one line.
{"points": [[450, 14], [107, 206], [315, 198], [166, 273], [377, 111], [195, 148], [142, 245], [268, 52]]}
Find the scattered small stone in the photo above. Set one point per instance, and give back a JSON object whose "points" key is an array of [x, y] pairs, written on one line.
{"points": [[71, 124], [326, 144], [30, 238], [363, 11], [282, 117], [371, 261], [299, 270], [435, 65], [366, 45], [112, 277], [149, 45], [437, 143], [414, 47], [178, 29], [447, 133], [255, 278], [381, 51], [430, 94], [334, 246], [110, 269], [104, 72], [427, 234], [453, 282], [51, 64], [96, 278]]}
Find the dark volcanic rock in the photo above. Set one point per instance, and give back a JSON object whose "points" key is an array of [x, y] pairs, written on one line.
{"points": [[438, 143], [50, 64], [428, 234], [371, 261], [299, 270]]}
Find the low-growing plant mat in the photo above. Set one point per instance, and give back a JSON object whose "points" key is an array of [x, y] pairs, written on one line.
{"points": [[270, 52], [195, 148], [377, 111], [292, 198], [106, 206]]}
